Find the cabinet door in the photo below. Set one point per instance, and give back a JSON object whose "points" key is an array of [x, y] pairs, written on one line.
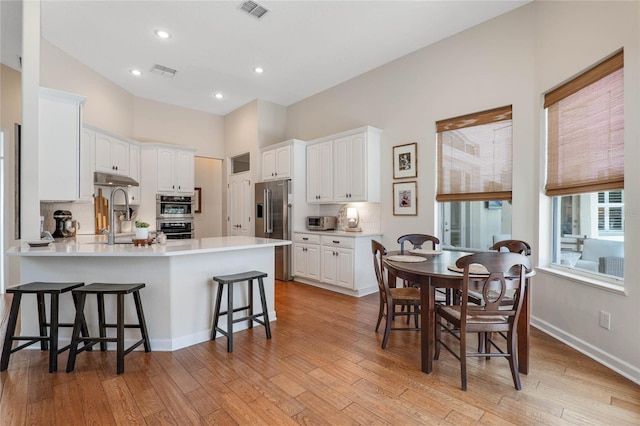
{"points": [[87, 164], [341, 169], [165, 170], [184, 172], [313, 262], [300, 261], [120, 156], [268, 165], [283, 162], [357, 168], [134, 173], [319, 172], [328, 270], [344, 268], [103, 153]]}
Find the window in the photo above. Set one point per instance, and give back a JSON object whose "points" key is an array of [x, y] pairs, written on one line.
{"points": [[585, 169], [474, 178]]}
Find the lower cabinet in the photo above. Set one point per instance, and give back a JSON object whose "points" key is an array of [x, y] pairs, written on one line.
{"points": [[336, 261]]}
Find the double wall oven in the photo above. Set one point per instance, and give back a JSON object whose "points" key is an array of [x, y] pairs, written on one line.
{"points": [[174, 216]]}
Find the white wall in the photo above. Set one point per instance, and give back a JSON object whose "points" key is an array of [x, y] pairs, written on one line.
{"points": [[510, 60]]}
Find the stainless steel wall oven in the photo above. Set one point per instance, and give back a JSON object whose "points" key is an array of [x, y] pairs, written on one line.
{"points": [[174, 216]]}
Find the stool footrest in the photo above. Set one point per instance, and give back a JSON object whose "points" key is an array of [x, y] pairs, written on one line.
{"points": [[250, 317]]}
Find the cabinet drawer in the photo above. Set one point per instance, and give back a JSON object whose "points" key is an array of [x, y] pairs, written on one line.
{"points": [[307, 238], [332, 241]]}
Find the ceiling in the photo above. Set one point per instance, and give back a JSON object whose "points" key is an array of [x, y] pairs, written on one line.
{"points": [[305, 47]]}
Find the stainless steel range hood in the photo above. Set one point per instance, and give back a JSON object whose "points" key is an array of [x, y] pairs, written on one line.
{"points": [[108, 179]]}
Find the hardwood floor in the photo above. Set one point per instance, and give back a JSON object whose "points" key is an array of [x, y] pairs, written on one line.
{"points": [[323, 365]]}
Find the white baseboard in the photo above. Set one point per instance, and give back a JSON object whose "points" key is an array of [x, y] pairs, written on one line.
{"points": [[619, 366]]}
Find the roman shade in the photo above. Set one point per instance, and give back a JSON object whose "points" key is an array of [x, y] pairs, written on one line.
{"points": [[585, 131], [475, 156]]}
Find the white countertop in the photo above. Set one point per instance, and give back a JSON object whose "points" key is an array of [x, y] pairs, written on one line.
{"points": [[95, 245], [340, 233]]}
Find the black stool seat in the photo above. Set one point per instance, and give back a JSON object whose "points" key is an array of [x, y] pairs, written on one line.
{"points": [[47, 342], [100, 289], [229, 280]]}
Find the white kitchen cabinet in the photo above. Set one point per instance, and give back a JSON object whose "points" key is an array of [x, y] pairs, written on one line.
{"points": [[87, 164], [176, 168], [60, 121], [319, 172], [344, 261], [352, 169], [276, 163], [112, 154], [306, 256]]}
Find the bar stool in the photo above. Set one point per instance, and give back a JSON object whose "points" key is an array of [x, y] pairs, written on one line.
{"points": [[100, 289], [47, 342], [230, 280]]}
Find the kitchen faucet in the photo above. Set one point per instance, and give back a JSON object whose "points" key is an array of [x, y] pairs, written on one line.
{"points": [[111, 235]]}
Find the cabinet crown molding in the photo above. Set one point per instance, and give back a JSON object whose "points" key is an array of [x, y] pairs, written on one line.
{"points": [[368, 129]]}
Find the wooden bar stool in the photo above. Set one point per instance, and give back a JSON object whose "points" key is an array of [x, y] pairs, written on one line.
{"points": [[229, 280], [47, 342], [100, 289]]}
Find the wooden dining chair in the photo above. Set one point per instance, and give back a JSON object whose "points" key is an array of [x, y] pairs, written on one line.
{"points": [[506, 271], [417, 240], [390, 297]]}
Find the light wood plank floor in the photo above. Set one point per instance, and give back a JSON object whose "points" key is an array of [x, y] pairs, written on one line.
{"points": [[323, 366]]}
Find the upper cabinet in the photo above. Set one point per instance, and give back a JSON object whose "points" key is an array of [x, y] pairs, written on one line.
{"points": [[176, 168], [319, 172], [60, 121], [349, 163], [112, 155], [276, 163]]}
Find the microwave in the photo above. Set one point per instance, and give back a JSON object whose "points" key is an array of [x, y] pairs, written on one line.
{"points": [[321, 223]]}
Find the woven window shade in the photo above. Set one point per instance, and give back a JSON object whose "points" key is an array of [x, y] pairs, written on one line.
{"points": [[585, 132], [475, 156]]}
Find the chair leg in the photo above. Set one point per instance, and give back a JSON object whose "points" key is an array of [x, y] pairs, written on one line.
{"points": [[230, 317], [141, 321], [513, 358], [250, 299], [263, 301], [42, 320], [11, 331], [216, 312], [75, 334], [380, 314], [387, 329], [101, 321], [120, 334], [53, 334], [436, 352], [463, 360]]}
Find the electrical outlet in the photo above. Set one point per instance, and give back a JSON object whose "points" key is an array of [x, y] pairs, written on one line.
{"points": [[605, 320]]}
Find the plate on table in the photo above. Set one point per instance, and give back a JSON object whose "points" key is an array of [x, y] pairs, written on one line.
{"points": [[38, 243], [425, 251], [406, 258], [473, 269]]}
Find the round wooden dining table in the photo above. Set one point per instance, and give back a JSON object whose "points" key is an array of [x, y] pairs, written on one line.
{"points": [[434, 273]]}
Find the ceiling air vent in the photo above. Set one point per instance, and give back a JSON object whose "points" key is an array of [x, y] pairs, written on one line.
{"points": [[163, 71], [253, 9]]}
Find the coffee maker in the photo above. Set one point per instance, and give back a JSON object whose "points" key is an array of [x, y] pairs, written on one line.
{"points": [[64, 228]]}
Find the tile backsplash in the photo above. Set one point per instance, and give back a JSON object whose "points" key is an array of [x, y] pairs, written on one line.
{"points": [[369, 214], [81, 212]]}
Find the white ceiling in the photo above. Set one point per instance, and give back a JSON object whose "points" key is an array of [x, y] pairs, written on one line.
{"points": [[305, 47]]}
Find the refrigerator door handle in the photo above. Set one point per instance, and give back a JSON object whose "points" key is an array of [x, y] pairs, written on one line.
{"points": [[268, 214]]}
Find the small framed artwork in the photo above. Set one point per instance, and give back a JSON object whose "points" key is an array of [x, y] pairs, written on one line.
{"points": [[405, 161], [197, 200], [405, 198]]}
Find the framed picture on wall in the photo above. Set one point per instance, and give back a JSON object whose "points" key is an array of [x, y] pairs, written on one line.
{"points": [[405, 198], [405, 161]]}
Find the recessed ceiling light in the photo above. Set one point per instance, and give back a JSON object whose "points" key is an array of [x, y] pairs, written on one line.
{"points": [[259, 70], [162, 34], [219, 95], [136, 72]]}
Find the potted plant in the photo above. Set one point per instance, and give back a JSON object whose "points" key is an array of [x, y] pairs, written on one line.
{"points": [[142, 230]]}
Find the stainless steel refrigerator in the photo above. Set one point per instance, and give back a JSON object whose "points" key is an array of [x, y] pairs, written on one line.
{"points": [[273, 220]]}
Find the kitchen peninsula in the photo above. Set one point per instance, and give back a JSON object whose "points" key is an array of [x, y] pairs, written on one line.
{"points": [[179, 295]]}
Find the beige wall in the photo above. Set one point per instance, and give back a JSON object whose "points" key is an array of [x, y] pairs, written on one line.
{"points": [[160, 122], [108, 106], [510, 60], [272, 123], [208, 177]]}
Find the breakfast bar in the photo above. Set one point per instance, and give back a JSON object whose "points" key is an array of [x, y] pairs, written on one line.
{"points": [[178, 297]]}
